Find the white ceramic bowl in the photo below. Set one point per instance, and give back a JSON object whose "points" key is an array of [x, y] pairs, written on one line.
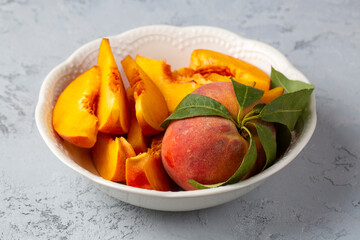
{"points": [[174, 44]]}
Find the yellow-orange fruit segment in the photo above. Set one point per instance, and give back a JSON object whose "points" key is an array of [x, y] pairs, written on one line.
{"points": [[135, 174], [112, 107], [216, 77], [109, 157], [173, 89], [206, 60], [150, 105], [182, 74], [154, 169], [74, 112], [177, 84], [272, 94], [135, 136]]}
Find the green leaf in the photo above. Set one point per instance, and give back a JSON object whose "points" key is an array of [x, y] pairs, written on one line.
{"points": [[268, 142], [197, 105], [248, 162], [287, 108], [258, 108], [250, 115], [280, 80], [203, 186], [246, 95], [246, 165], [283, 139]]}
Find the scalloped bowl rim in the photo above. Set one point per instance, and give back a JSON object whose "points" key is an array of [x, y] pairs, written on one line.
{"points": [[280, 164]]}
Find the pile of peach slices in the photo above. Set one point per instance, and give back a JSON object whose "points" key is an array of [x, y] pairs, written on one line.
{"points": [[122, 128]]}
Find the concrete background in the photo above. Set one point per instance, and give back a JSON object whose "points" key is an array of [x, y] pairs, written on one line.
{"points": [[315, 197]]}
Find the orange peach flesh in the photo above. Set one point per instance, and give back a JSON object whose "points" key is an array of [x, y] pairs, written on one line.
{"points": [[202, 59], [272, 94], [135, 136], [154, 169], [109, 157], [135, 174], [73, 115], [171, 87], [112, 107], [150, 105]]}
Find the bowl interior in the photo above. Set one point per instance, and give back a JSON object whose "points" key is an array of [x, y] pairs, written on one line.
{"points": [[175, 45]]}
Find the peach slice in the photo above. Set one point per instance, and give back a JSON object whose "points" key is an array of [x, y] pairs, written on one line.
{"points": [[73, 115], [135, 136], [177, 84], [147, 171], [150, 105], [216, 77], [135, 174], [272, 94], [180, 75], [112, 108], [173, 88], [207, 61], [205, 77], [212, 74], [109, 156], [154, 169]]}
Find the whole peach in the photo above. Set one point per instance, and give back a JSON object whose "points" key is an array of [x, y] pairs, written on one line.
{"points": [[207, 149], [210, 149]]}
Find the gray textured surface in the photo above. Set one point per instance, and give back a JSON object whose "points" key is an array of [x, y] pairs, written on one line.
{"points": [[315, 197]]}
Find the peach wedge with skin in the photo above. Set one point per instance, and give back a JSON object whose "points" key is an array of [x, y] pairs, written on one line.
{"points": [[173, 88], [150, 105], [112, 107], [272, 94], [177, 84], [135, 136], [109, 157], [135, 174], [205, 60], [74, 113], [146, 170], [154, 169]]}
